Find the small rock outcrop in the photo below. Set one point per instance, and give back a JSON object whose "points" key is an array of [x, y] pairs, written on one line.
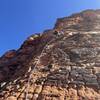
{"points": [[59, 64]]}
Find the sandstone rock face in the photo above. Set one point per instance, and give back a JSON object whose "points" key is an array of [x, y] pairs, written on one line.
{"points": [[59, 64]]}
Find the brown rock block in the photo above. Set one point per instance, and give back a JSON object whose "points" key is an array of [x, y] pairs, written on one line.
{"points": [[72, 93], [10, 54], [11, 98]]}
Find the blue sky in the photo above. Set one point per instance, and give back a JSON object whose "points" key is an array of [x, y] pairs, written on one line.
{"points": [[21, 18]]}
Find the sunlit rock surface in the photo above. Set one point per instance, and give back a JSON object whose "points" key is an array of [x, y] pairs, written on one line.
{"points": [[59, 64]]}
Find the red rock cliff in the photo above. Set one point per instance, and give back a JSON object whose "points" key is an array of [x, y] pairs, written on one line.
{"points": [[59, 64]]}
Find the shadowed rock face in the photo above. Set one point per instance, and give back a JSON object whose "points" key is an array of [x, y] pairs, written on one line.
{"points": [[62, 65]]}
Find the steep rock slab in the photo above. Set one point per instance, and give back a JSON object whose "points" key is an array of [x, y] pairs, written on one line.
{"points": [[60, 64]]}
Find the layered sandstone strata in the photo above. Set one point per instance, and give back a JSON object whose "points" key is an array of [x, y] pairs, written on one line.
{"points": [[59, 64]]}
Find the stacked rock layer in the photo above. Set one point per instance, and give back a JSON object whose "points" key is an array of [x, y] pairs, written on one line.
{"points": [[59, 64]]}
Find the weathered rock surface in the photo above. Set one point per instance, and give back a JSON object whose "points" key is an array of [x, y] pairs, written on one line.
{"points": [[59, 64]]}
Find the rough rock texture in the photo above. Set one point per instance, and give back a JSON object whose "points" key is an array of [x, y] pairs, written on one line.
{"points": [[59, 64]]}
